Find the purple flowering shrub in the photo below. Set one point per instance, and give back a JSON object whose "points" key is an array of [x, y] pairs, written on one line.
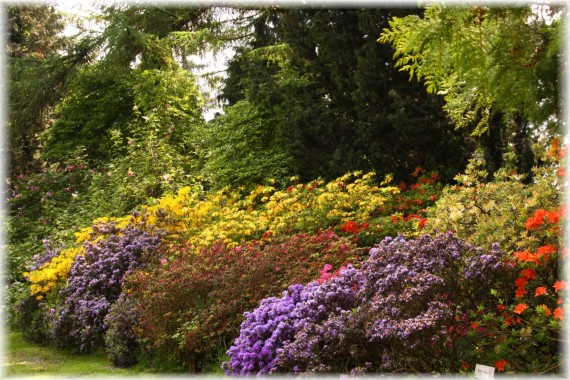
{"points": [[268, 332], [415, 291], [48, 254], [95, 283], [398, 313]]}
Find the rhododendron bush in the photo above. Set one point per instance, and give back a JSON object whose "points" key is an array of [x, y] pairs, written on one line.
{"points": [[523, 331], [397, 313]]}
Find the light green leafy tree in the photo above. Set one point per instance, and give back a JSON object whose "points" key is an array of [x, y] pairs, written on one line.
{"points": [[498, 69]]}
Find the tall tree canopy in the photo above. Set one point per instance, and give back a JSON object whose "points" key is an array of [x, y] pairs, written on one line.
{"points": [[338, 102], [36, 73], [498, 69]]}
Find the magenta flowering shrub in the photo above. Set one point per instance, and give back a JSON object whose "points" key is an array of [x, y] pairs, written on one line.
{"points": [[95, 283], [398, 312]]}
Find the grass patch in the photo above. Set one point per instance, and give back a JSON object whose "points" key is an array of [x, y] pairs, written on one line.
{"points": [[25, 359]]}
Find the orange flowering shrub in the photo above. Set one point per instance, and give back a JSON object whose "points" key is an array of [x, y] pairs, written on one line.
{"points": [[522, 333]]}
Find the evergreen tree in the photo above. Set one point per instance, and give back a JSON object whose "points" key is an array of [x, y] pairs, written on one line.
{"points": [[37, 72], [339, 103]]}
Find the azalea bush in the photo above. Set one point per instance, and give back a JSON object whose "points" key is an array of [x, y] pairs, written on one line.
{"points": [[522, 332], [270, 331], [352, 205], [193, 302], [484, 212], [398, 313]]}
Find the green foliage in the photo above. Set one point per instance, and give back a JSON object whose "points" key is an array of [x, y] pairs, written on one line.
{"points": [[37, 73], [245, 148], [497, 69], [336, 102], [484, 212], [141, 36], [162, 147], [482, 59], [49, 204], [98, 102]]}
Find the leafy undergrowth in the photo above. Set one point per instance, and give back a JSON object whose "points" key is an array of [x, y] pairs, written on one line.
{"points": [[26, 359]]}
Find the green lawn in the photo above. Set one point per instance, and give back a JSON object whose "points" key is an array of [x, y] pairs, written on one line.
{"points": [[26, 359]]}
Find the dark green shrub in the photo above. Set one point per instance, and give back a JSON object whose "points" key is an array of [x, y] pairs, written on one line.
{"points": [[121, 343]]}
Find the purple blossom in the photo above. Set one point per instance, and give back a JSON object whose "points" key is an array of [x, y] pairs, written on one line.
{"points": [[95, 283]]}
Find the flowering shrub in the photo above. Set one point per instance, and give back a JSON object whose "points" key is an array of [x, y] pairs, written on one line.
{"points": [[193, 302], [484, 212], [399, 312], [521, 332], [207, 218], [352, 205], [52, 268], [95, 283], [416, 293], [267, 336], [50, 271]]}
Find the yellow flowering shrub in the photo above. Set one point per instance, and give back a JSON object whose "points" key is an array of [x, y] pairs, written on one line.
{"points": [[47, 276], [202, 218]]}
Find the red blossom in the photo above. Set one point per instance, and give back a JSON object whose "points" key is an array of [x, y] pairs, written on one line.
{"points": [[554, 217], [422, 223], [520, 308], [353, 227], [545, 251], [559, 285], [520, 292], [537, 220], [520, 282], [528, 273], [558, 313], [501, 364]]}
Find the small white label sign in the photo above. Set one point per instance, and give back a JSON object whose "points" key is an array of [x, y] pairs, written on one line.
{"points": [[484, 372]]}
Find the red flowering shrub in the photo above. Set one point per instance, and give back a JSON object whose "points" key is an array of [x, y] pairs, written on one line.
{"points": [[406, 213], [194, 303]]}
